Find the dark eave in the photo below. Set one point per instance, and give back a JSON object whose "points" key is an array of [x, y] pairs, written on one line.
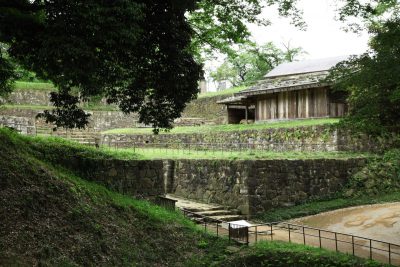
{"points": [[262, 91]]}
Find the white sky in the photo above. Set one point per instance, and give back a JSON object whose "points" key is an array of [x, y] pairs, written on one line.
{"points": [[324, 36]]}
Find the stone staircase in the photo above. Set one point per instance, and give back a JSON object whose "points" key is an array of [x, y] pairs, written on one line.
{"points": [[212, 211], [85, 137]]}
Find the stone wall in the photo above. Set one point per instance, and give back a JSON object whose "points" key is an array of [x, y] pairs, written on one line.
{"points": [[222, 182], [288, 182], [250, 186], [19, 112], [138, 178], [208, 109], [306, 138], [29, 97], [254, 186], [204, 110], [21, 124], [99, 120], [312, 138], [104, 120]]}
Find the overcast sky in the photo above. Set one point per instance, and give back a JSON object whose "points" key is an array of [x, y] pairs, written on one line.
{"points": [[324, 36]]}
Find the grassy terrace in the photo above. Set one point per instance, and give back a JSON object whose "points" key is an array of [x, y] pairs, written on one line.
{"points": [[226, 92], [162, 153], [66, 147], [75, 222], [34, 86], [30, 107], [44, 86], [90, 107], [228, 127]]}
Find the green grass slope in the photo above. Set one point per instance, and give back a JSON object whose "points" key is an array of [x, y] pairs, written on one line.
{"points": [[279, 254], [51, 218]]}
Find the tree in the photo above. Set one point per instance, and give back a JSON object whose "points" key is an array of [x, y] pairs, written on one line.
{"points": [[133, 51], [7, 74], [251, 62], [141, 54], [372, 80], [219, 24]]}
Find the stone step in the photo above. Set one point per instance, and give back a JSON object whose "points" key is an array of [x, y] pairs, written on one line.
{"points": [[80, 138], [199, 210], [217, 212], [87, 142], [228, 218], [210, 211], [192, 205]]}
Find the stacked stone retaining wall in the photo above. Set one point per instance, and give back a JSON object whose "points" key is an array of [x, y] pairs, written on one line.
{"points": [[98, 121], [204, 110], [250, 186], [29, 97], [254, 186], [137, 178], [208, 109], [21, 124], [307, 138]]}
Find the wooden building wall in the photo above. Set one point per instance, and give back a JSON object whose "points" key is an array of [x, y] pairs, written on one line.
{"points": [[307, 103]]}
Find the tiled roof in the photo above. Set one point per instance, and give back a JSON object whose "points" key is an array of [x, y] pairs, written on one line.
{"points": [[286, 83], [305, 66], [289, 77], [231, 100]]}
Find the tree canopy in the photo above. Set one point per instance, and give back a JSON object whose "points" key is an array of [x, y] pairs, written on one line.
{"points": [[372, 80], [141, 54], [251, 62]]}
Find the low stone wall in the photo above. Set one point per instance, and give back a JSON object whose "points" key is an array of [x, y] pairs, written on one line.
{"points": [[251, 186], [315, 138], [104, 120], [19, 112], [99, 120], [208, 109], [306, 138], [21, 124], [205, 110], [138, 178], [254, 186], [29, 97]]}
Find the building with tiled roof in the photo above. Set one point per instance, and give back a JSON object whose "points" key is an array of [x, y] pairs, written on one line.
{"points": [[290, 91]]}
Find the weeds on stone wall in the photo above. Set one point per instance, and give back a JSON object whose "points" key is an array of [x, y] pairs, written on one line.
{"points": [[380, 176], [377, 182]]}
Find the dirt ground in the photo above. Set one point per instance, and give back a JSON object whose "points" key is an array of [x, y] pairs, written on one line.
{"points": [[381, 222], [331, 230]]}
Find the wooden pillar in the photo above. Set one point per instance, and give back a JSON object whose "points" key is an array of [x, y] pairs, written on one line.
{"points": [[247, 114], [228, 116]]}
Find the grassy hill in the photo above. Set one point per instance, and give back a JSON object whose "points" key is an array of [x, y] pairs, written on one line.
{"points": [[50, 217]]}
